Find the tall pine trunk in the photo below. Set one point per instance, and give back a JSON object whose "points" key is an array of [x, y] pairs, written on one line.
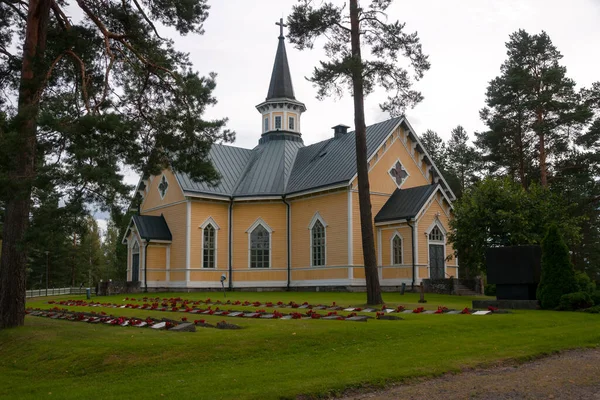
{"points": [[542, 149], [16, 219], [364, 193]]}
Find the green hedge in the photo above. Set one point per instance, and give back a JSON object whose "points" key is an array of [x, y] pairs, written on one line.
{"points": [[575, 301]]}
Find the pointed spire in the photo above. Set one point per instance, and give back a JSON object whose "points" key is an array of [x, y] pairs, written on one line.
{"points": [[281, 79]]}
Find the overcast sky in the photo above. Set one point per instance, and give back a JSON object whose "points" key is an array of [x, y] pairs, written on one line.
{"points": [[465, 41]]}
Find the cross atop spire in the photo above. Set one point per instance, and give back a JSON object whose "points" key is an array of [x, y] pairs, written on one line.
{"points": [[281, 26]]}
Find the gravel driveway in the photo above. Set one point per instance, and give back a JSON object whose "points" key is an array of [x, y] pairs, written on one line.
{"points": [[569, 375]]}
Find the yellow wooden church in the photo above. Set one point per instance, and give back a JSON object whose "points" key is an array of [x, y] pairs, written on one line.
{"points": [[286, 215]]}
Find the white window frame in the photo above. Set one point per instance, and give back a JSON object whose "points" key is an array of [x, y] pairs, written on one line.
{"points": [[280, 122], [139, 251], [158, 186], [291, 123], [209, 221], [394, 178], [313, 221], [394, 235], [259, 221]]}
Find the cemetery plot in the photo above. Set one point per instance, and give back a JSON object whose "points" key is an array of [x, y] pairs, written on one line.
{"points": [[302, 311]]}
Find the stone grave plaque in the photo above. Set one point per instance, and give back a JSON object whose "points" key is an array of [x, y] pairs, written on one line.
{"points": [[194, 311], [109, 321], [141, 324], [236, 314], [205, 312], [267, 316], [286, 317], [303, 306], [159, 325], [319, 308], [332, 317], [218, 313], [251, 315], [453, 312], [122, 307], [125, 323], [407, 312], [349, 309], [486, 312], [428, 312], [389, 310], [359, 318], [369, 310]]}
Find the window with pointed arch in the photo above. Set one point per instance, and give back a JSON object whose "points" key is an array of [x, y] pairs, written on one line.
{"points": [[436, 234], [318, 244], [208, 246], [396, 250], [260, 244]]}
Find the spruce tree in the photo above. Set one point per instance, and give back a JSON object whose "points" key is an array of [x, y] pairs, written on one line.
{"points": [[347, 31], [558, 276], [463, 159], [436, 148], [96, 90]]}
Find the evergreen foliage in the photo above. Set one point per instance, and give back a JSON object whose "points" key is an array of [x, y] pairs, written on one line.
{"points": [[558, 276], [98, 89], [575, 301], [499, 212]]}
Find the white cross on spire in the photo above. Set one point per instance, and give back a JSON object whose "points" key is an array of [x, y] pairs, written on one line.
{"points": [[281, 26]]}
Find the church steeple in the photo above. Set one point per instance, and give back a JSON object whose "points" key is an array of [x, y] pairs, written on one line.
{"points": [[281, 79], [281, 111]]}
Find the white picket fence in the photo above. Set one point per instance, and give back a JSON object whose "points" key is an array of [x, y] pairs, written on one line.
{"points": [[54, 292]]}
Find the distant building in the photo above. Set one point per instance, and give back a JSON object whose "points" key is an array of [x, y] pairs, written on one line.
{"points": [[287, 215]]}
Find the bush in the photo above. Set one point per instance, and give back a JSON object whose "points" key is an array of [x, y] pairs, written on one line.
{"points": [[593, 310], [575, 301], [584, 282], [558, 276], [489, 289], [596, 297]]}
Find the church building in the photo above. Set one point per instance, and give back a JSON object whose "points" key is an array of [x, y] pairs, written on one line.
{"points": [[285, 215]]}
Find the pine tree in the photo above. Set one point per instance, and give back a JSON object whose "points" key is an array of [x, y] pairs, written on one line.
{"points": [[558, 276], [94, 93], [534, 109], [463, 159], [436, 148], [347, 31]]}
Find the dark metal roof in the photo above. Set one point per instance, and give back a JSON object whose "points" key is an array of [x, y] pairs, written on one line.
{"points": [[334, 160], [229, 161], [281, 79], [269, 169], [405, 203], [152, 227]]}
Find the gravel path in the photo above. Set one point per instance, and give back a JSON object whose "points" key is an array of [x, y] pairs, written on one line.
{"points": [[569, 375]]}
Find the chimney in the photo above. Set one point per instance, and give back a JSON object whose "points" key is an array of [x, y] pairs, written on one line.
{"points": [[339, 130]]}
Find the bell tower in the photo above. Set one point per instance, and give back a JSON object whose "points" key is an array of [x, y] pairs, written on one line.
{"points": [[281, 111]]}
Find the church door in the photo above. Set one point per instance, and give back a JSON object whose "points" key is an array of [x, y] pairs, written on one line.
{"points": [[436, 261], [135, 263]]}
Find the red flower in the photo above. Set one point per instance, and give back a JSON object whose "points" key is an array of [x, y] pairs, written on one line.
{"points": [[465, 311], [418, 310], [184, 319], [492, 308], [400, 308]]}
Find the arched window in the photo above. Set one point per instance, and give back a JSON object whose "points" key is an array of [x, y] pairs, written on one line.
{"points": [[260, 245], [397, 250], [436, 234], [318, 244], [208, 247]]}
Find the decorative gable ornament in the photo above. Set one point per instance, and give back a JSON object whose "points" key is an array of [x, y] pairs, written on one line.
{"points": [[398, 173], [163, 186]]}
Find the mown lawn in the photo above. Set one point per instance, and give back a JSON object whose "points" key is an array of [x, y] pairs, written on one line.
{"points": [[270, 359]]}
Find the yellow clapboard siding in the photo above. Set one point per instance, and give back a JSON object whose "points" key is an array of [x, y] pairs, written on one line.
{"points": [[397, 273], [152, 198], [259, 275], [156, 263], [333, 273], [206, 276], [176, 217], [333, 208]]}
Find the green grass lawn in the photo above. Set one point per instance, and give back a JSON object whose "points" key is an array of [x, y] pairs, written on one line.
{"points": [[270, 358]]}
